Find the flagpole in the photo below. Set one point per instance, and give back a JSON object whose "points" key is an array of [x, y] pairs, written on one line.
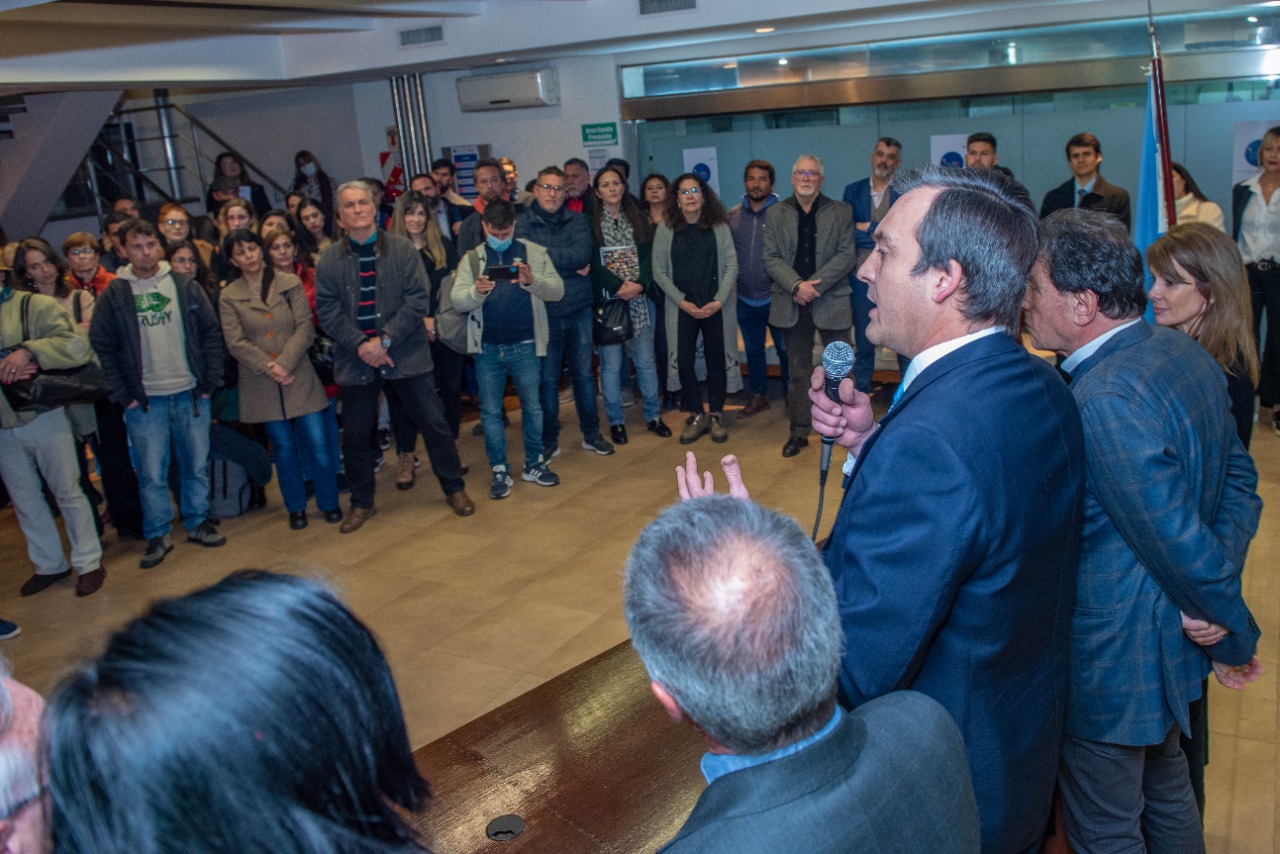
{"points": [[1162, 119]]}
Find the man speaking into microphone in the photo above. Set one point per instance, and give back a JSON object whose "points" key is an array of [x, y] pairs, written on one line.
{"points": [[954, 550]]}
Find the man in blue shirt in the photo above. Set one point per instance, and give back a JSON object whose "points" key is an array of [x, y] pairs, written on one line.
{"points": [[733, 613]]}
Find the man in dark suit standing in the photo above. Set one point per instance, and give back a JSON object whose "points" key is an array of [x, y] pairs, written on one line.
{"points": [[1087, 189], [1170, 508], [870, 199], [954, 552], [732, 611]]}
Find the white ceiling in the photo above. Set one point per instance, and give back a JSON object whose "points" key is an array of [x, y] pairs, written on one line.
{"points": [[198, 43]]}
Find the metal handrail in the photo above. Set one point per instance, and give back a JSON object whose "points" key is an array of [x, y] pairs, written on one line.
{"points": [[228, 147]]}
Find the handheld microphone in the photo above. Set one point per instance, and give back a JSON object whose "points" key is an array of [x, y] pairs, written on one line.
{"points": [[837, 362]]}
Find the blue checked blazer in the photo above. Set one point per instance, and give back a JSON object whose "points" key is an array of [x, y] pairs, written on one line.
{"points": [[954, 563], [1170, 509]]}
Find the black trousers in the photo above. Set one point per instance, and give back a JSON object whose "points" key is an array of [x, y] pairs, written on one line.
{"points": [[448, 374], [712, 330], [119, 481], [1264, 291], [360, 420]]}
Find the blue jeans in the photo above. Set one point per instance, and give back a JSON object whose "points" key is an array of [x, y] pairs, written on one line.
{"points": [[493, 366], [640, 348], [309, 432], [183, 420], [570, 339], [753, 320]]}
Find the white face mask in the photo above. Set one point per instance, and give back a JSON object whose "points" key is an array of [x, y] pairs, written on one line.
{"points": [[309, 169]]}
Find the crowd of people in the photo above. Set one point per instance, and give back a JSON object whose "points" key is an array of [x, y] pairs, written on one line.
{"points": [[345, 321]]}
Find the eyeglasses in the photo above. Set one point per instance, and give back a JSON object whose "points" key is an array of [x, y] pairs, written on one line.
{"points": [[19, 805], [551, 188], [691, 191], [806, 173], [83, 250], [172, 222]]}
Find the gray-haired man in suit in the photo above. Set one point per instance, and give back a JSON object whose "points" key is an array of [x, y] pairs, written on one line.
{"points": [[808, 253], [1169, 511], [734, 615]]}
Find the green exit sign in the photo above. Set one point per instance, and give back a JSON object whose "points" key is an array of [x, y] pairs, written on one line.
{"points": [[604, 133]]}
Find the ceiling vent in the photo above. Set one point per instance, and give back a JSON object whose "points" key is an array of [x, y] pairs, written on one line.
{"points": [[420, 36], [661, 7]]}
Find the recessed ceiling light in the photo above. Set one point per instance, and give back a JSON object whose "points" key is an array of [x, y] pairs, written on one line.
{"points": [[730, 65], [501, 59], [763, 30], [1253, 19], [782, 61]]}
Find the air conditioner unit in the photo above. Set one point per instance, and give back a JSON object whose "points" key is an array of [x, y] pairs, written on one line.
{"points": [[539, 88]]}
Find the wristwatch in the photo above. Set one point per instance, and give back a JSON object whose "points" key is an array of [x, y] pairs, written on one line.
{"points": [[386, 342]]}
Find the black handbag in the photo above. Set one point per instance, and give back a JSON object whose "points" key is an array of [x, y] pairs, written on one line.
{"points": [[611, 322], [320, 353], [52, 388]]}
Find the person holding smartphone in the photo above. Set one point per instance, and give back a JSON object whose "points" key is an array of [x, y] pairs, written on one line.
{"points": [[505, 284]]}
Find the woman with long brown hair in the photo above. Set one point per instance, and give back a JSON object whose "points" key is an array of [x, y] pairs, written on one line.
{"points": [[1201, 288]]}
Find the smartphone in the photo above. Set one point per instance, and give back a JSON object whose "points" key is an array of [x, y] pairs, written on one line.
{"points": [[507, 273]]}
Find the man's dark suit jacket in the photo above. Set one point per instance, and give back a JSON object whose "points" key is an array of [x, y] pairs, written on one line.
{"points": [[954, 560], [891, 778], [1106, 197]]}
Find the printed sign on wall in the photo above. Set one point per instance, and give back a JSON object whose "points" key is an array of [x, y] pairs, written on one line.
{"points": [[702, 162], [947, 149]]}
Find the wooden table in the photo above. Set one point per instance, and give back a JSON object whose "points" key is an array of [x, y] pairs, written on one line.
{"points": [[589, 760]]}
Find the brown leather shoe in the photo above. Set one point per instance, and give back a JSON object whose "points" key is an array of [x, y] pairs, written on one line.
{"points": [[356, 517], [405, 476], [89, 583], [758, 403], [37, 582], [461, 503]]}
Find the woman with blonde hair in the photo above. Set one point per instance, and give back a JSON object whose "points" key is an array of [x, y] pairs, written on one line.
{"points": [[1201, 289], [1255, 225], [234, 214]]}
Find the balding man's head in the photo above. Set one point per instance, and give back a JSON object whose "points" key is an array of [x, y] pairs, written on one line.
{"points": [[733, 613]]}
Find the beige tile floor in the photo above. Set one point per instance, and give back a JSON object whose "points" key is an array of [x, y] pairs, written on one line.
{"points": [[473, 612]]}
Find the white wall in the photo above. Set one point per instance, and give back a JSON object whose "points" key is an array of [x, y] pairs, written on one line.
{"points": [[269, 126], [531, 137]]}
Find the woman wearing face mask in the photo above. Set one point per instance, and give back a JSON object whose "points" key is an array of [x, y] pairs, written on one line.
{"points": [[311, 181], [266, 323], [231, 166], [620, 232], [697, 266], [83, 253]]}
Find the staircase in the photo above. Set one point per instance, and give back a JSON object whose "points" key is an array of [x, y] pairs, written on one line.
{"points": [[43, 140]]}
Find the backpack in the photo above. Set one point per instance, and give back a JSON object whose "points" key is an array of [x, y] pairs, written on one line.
{"points": [[228, 488], [451, 324]]}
